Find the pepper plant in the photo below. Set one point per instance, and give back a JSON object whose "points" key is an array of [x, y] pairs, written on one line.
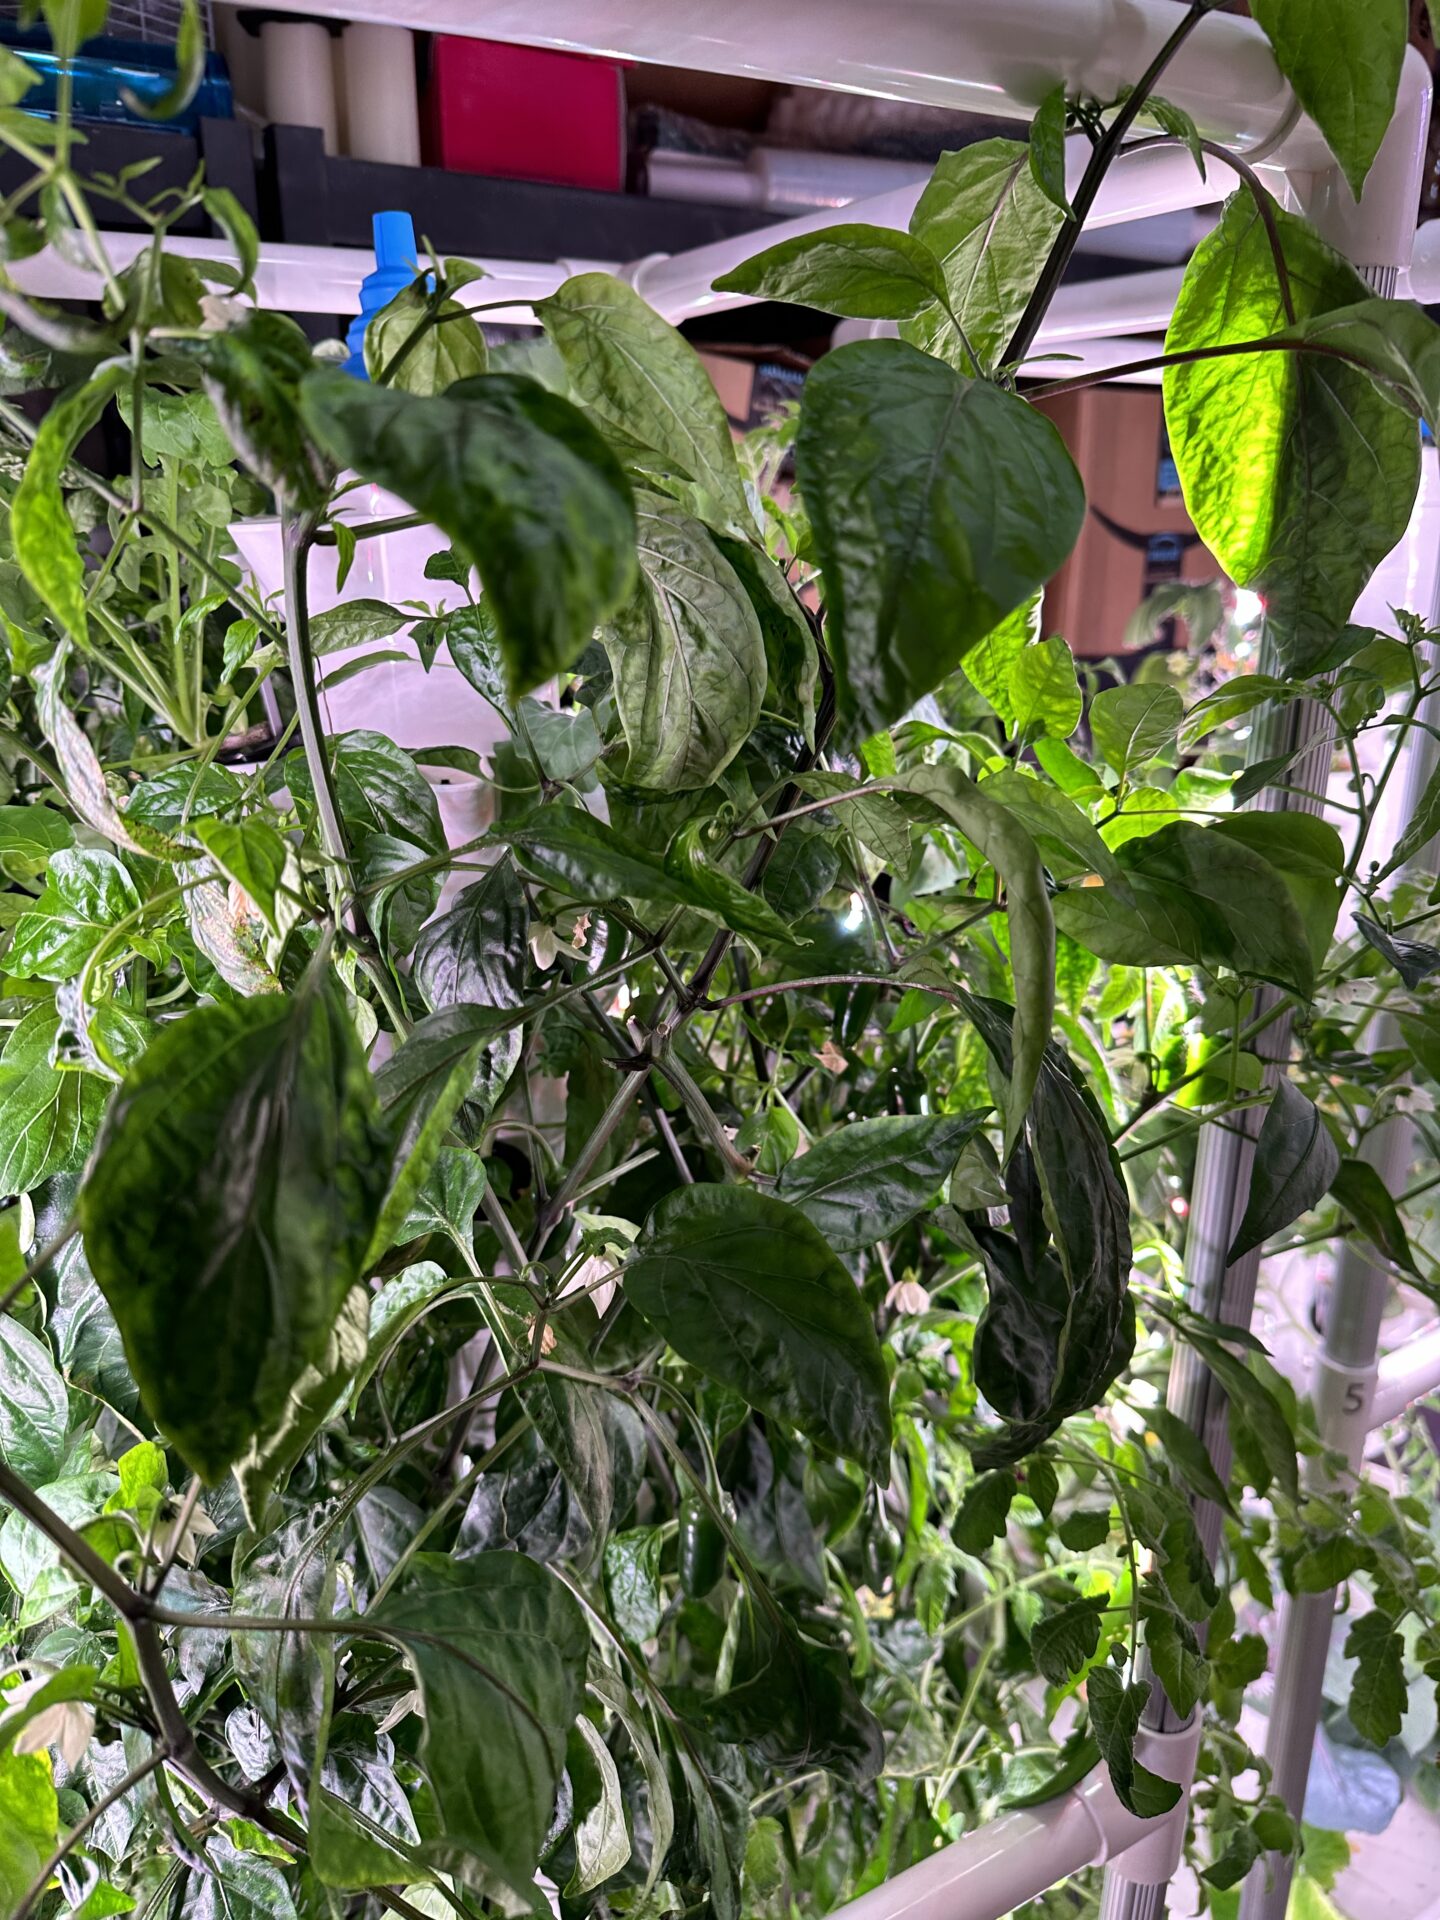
{"points": [[632, 1350]]}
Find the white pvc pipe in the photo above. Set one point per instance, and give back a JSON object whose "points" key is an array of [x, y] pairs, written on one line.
{"points": [[1128, 303], [679, 286], [992, 57], [1406, 1375], [1003, 1864], [299, 279]]}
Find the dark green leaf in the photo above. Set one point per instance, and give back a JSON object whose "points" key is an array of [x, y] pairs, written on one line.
{"points": [[643, 380], [448, 1058], [1298, 472], [791, 655], [1238, 1661], [1059, 1324], [1365, 1197], [744, 1286], [1378, 1693], [1041, 1483], [41, 531], [518, 480], [1193, 895], [794, 1703], [632, 1582], [1062, 1643], [229, 1207], [863, 272], [595, 1439], [1080, 1755], [1344, 63], [1081, 1532], [1115, 1711], [1329, 1563], [938, 505], [1009, 849], [1413, 960], [1308, 856], [1242, 1850], [1255, 1410], [498, 1648], [1068, 844], [565, 740], [875, 820], [253, 375], [1295, 1162], [1179, 1665], [1047, 149], [477, 953], [984, 1511], [991, 223], [863, 1182], [1186, 1457], [688, 658], [590, 863]]}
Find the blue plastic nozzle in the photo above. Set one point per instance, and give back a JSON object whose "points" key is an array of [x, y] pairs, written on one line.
{"points": [[395, 267]]}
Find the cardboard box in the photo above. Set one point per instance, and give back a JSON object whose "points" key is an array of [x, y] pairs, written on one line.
{"points": [[754, 384], [1137, 535]]}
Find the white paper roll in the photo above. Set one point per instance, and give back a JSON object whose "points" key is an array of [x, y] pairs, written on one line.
{"points": [[299, 77], [382, 113]]}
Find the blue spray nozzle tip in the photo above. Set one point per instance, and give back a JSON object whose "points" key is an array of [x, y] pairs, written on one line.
{"points": [[395, 267], [395, 243]]}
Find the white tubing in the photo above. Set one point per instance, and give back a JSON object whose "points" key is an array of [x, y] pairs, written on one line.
{"points": [[1129, 303], [679, 285], [298, 279], [1406, 1375], [1003, 1864]]}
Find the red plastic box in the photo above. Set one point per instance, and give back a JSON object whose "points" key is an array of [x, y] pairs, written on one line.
{"points": [[525, 113]]}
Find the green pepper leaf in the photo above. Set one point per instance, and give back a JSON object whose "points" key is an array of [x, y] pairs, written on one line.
{"points": [[745, 1287], [862, 272], [520, 483], [1299, 473], [938, 505], [1344, 62], [228, 1209], [863, 1182], [498, 1648]]}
